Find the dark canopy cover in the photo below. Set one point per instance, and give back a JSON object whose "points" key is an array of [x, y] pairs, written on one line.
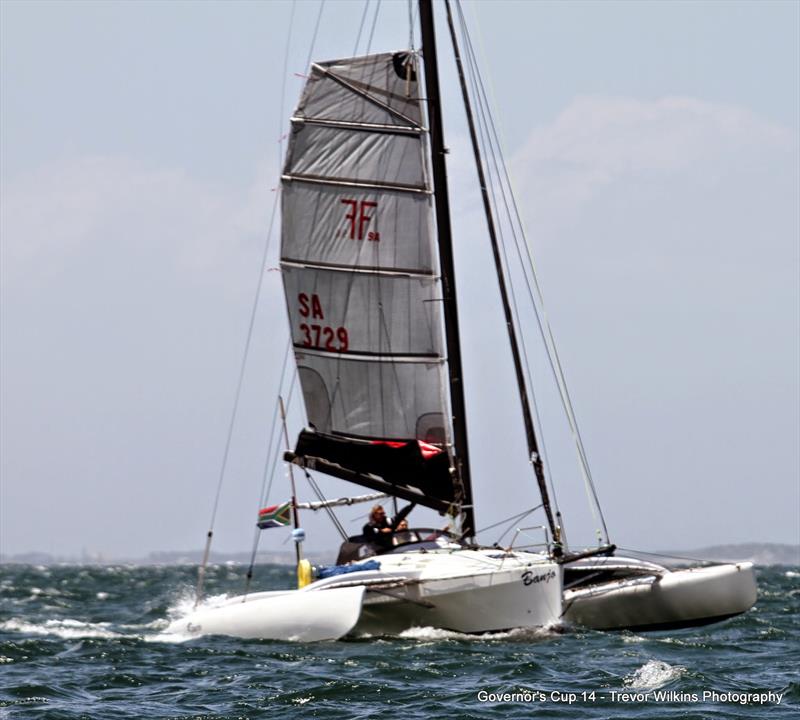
{"points": [[407, 469]]}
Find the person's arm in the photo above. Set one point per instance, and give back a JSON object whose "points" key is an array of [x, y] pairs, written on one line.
{"points": [[402, 515]]}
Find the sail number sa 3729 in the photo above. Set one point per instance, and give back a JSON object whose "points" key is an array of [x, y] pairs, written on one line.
{"points": [[315, 334]]}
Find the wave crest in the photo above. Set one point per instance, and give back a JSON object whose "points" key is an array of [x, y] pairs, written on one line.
{"points": [[67, 629], [653, 675]]}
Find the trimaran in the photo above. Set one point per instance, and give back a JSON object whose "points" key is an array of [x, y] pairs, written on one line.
{"points": [[367, 265]]}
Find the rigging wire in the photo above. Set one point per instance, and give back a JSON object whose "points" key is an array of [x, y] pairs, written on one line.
{"points": [[535, 293], [516, 517], [411, 25], [201, 569], [277, 456], [237, 398], [321, 498], [361, 27], [513, 523], [491, 172], [275, 436], [667, 556], [372, 29], [506, 191], [284, 73], [313, 37], [274, 439]]}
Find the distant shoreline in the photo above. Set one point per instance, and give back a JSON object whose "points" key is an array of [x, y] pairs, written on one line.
{"points": [[759, 553]]}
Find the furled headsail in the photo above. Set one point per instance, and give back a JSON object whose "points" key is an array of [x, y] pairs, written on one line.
{"points": [[361, 280]]}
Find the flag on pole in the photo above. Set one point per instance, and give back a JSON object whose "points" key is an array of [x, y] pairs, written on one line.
{"points": [[275, 516]]}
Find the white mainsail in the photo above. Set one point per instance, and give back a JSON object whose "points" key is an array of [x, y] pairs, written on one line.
{"points": [[357, 255]]}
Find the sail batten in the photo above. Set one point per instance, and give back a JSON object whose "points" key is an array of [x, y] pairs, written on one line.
{"points": [[375, 127], [376, 185], [361, 278], [373, 357], [398, 272]]}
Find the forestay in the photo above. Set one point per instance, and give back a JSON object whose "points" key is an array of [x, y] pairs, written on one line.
{"points": [[361, 278]]}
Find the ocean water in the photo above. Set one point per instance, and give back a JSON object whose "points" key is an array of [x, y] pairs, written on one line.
{"points": [[88, 642]]}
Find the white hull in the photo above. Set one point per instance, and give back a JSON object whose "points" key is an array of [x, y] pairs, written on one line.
{"points": [[476, 591], [663, 600], [521, 590], [469, 591], [291, 615]]}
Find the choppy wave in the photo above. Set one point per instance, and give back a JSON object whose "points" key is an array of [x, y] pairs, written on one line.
{"points": [[67, 628], [433, 634], [654, 674], [630, 637], [95, 642]]}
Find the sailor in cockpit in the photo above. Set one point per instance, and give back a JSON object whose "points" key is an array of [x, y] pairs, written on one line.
{"points": [[380, 529]]}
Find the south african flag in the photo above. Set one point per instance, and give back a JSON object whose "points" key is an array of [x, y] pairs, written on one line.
{"points": [[275, 516]]}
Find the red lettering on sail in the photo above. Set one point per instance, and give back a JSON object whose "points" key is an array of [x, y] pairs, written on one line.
{"points": [[314, 335], [359, 218], [302, 298], [314, 310], [341, 335], [364, 218], [351, 216], [324, 337], [316, 307]]}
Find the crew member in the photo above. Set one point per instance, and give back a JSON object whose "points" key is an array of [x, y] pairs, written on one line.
{"points": [[379, 529]]}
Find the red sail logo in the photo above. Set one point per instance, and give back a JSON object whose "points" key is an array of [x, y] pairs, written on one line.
{"points": [[359, 217]]}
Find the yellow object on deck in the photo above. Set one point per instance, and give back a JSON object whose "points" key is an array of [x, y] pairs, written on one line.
{"points": [[304, 573]]}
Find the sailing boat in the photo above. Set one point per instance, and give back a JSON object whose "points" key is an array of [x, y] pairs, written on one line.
{"points": [[367, 264]]}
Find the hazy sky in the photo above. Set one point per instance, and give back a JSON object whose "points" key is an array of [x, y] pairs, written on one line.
{"points": [[654, 148]]}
